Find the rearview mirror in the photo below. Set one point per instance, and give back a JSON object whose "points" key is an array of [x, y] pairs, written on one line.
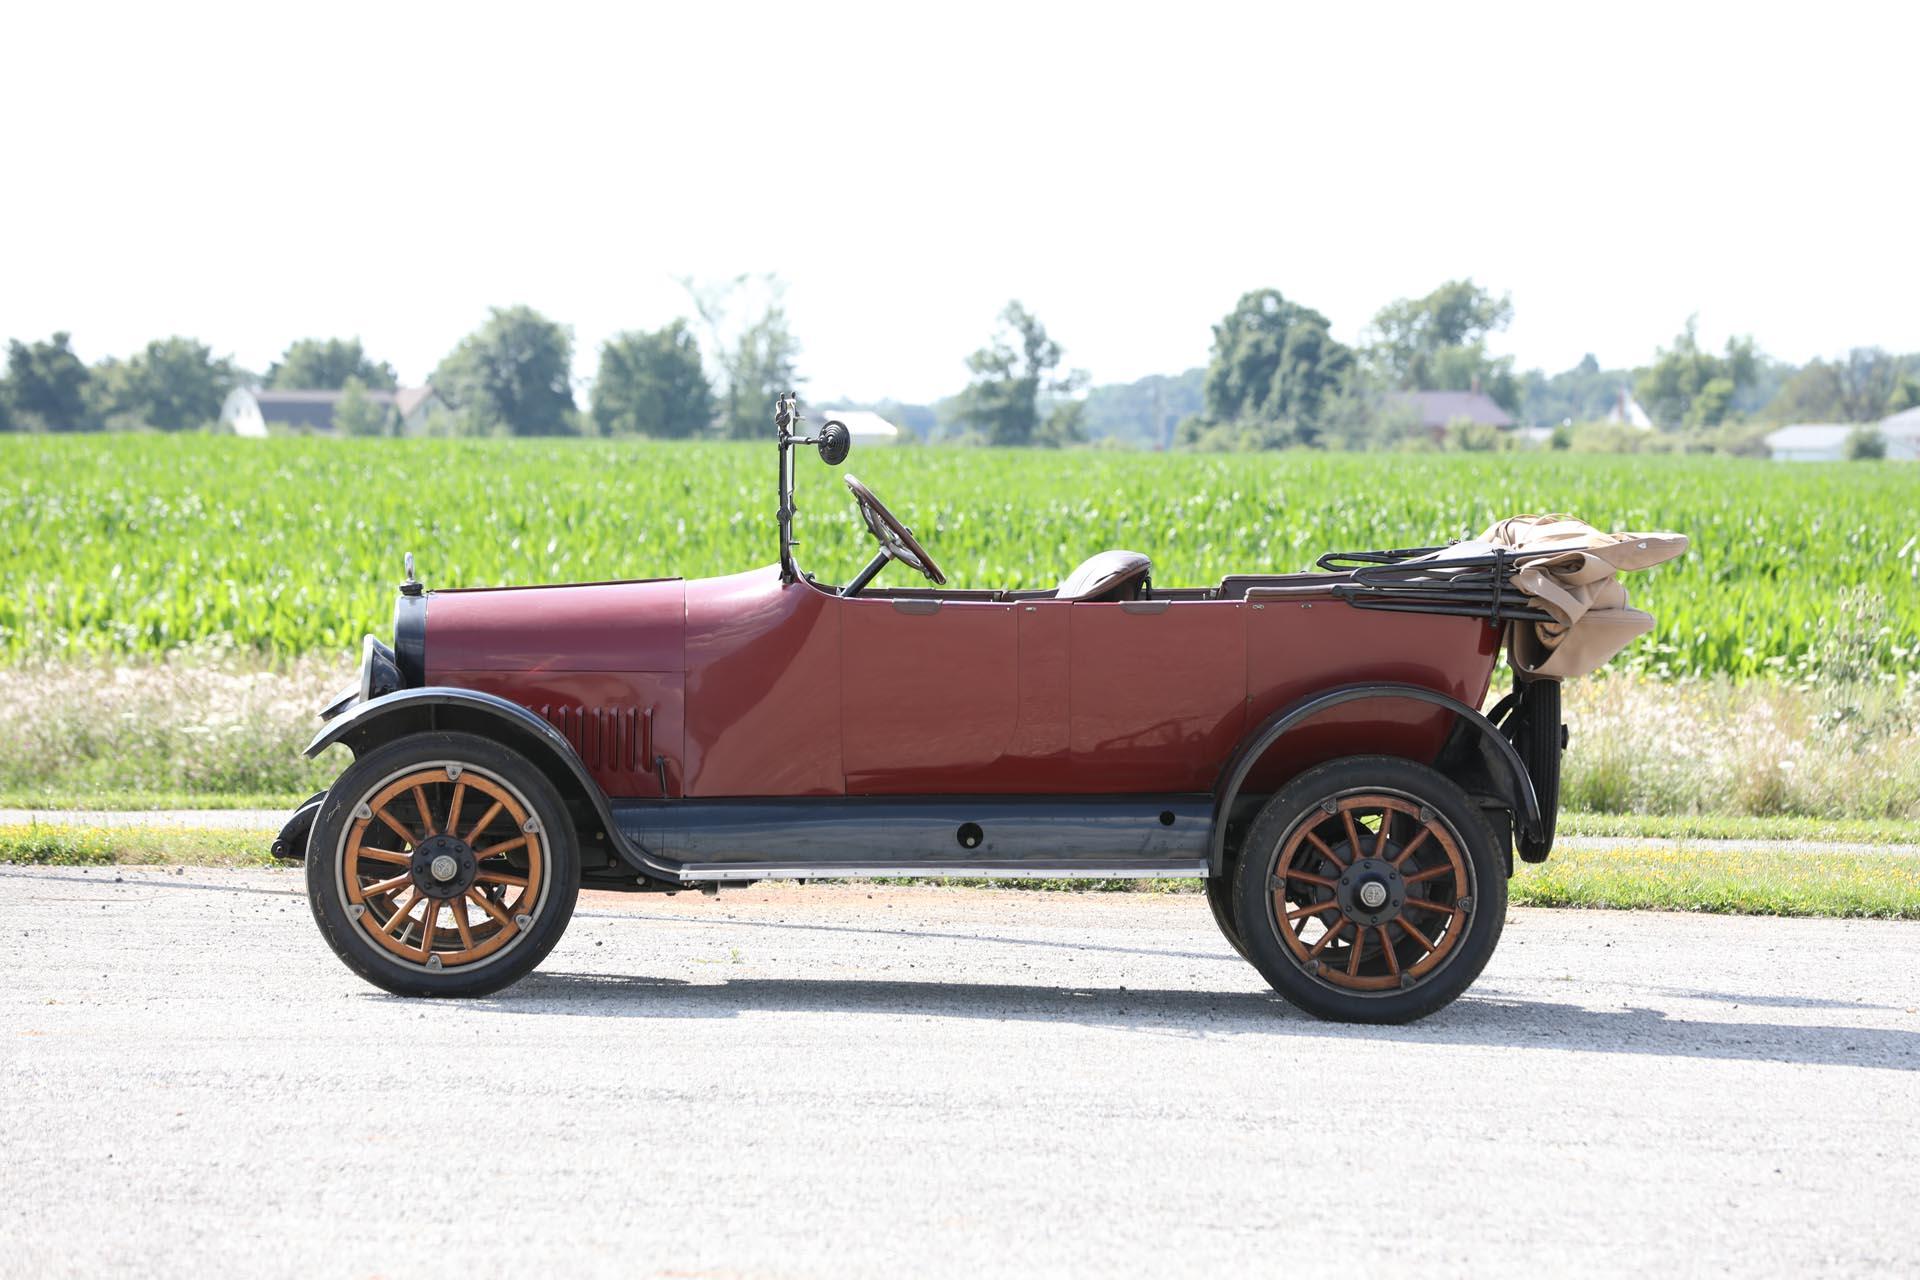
{"points": [[835, 441]]}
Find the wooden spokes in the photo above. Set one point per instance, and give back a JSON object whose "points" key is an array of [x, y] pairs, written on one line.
{"points": [[478, 823], [1335, 935]]}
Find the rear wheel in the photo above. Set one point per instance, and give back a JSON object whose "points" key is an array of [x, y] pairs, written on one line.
{"points": [[1370, 889], [442, 865]]}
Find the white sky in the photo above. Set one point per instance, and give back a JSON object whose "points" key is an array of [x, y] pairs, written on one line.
{"points": [[261, 172]]}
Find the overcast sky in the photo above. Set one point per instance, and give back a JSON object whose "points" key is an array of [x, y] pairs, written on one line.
{"points": [[257, 173]]}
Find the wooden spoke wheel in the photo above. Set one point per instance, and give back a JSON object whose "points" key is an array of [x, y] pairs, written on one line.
{"points": [[442, 864], [445, 866], [1370, 892], [1369, 889]]}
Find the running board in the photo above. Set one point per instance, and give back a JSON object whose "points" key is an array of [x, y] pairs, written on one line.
{"points": [[697, 873], [1086, 837]]}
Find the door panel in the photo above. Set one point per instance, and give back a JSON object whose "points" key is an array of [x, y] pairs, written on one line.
{"points": [[1158, 693], [929, 694], [763, 688]]}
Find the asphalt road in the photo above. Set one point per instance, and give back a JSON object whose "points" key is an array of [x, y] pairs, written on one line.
{"points": [[854, 1081]]}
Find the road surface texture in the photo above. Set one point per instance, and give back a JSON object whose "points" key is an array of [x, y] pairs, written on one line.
{"points": [[873, 1081]]}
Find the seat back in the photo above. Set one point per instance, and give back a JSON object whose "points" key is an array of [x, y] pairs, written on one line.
{"points": [[1111, 575]]}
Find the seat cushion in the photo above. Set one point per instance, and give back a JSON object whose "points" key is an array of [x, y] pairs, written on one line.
{"points": [[1111, 575]]}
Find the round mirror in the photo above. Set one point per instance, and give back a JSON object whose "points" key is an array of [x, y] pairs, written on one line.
{"points": [[836, 442]]}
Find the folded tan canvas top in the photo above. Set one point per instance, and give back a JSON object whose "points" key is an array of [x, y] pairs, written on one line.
{"points": [[1569, 569]]}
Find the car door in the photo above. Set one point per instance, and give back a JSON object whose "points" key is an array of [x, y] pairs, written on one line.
{"points": [[1159, 692], [929, 694]]}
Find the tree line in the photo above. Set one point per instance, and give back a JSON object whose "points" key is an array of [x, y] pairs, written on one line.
{"points": [[1276, 378]]}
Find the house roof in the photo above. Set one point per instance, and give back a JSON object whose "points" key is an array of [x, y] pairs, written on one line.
{"points": [[1905, 424], [407, 399], [863, 424], [1809, 435], [314, 409], [263, 397], [1439, 408]]}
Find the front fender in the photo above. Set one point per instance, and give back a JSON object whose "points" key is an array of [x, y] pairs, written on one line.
{"points": [[445, 708], [1502, 761]]}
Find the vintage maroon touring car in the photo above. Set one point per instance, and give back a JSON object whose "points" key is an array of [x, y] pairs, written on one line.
{"points": [[1311, 744]]}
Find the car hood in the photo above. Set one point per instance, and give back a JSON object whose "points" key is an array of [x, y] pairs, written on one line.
{"points": [[596, 626]]}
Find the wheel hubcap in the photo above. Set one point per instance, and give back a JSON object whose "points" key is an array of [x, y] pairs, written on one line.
{"points": [[1370, 891], [444, 866]]}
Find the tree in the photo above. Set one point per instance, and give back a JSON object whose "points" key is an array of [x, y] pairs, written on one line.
{"points": [[325, 364], [511, 376], [1276, 368], [1584, 393], [758, 362], [1689, 387], [46, 387], [764, 368], [1866, 386], [1439, 343], [1866, 444], [652, 384], [358, 414], [1009, 375], [1065, 424], [173, 384]]}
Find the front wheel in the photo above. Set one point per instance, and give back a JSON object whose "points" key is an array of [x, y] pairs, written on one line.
{"points": [[1370, 889], [442, 864]]}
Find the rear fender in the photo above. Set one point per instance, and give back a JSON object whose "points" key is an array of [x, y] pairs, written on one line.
{"points": [[1477, 755], [373, 724]]}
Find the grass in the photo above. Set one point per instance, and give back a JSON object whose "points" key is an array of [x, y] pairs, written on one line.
{"points": [[139, 545], [48, 845], [1709, 826], [1736, 882], [135, 801], [1741, 882]]}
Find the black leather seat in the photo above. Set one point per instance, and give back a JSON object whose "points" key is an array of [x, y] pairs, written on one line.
{"points": [[1111, 575]]}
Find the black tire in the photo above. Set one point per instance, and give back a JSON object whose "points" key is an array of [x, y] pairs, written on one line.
{"points": [[1444, 849], [1220, 898], [457, 773]]}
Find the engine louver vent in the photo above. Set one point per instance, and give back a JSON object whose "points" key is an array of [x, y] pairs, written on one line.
{"points": [[608, 738]]}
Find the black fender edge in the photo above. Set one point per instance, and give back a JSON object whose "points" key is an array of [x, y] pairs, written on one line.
{"points": [[444, 708], [1504, 767]]}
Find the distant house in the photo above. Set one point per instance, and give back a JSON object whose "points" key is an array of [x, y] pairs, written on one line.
{"points": [[1438, 410], [1827, 441], [1809, 442], [1627, 412], [865, 427], [250, 411], [1902, 433]]}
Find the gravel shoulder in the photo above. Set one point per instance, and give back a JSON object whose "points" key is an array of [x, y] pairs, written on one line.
{"points": [[869, 1081]]}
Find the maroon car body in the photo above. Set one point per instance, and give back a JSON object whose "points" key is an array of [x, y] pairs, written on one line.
{"points": [[749, 685], [662, 733]]}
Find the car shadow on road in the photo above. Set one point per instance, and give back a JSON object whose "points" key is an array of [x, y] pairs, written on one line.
{"points": [[1481, 1021]]}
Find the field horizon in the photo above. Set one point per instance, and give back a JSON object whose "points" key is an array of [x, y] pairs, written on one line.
{"points": [[145, 545]]}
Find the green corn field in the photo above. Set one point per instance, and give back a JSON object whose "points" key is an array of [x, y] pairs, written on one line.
{"points": [[131, 545]]}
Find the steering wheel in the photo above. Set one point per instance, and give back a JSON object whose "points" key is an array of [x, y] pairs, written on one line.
{"points": [[895, 539]]}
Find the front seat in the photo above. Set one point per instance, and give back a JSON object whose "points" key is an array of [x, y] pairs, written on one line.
{"points": [[1111, 575]]}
